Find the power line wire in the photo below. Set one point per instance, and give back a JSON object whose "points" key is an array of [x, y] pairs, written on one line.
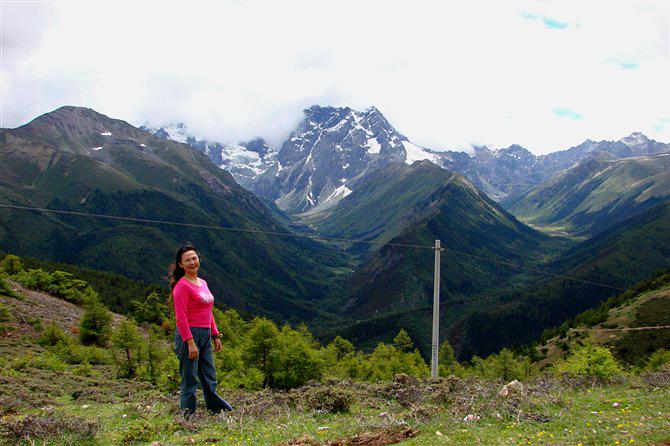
{"points": [[197, 225], [313, 237]]}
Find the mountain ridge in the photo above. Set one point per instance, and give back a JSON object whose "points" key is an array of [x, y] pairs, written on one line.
{"points": [[331, 148], [53, 163]]}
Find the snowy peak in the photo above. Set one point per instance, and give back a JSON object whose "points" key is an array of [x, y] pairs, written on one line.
{"points": [[175, 132], [635, 139], [245, 160], [516, 151]]}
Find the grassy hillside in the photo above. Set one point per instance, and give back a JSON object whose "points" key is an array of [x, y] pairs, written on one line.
{"points": [[595, 194], [383, 204], [516, 314], [48, 400], [628, 253], [78, 160], [615, 324]]}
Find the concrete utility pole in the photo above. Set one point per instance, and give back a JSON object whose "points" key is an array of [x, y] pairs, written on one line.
{"points": [[436, 312]]}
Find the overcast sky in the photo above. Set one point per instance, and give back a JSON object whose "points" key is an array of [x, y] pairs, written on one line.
{"points": [[546, 75]]}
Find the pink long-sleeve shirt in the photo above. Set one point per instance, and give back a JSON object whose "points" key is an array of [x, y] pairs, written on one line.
{"points": [[193, 307]]}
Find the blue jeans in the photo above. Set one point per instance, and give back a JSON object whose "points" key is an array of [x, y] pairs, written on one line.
{"points": [[198, 371]]}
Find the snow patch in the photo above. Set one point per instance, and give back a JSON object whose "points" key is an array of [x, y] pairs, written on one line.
{"points": [[106, 133], [176, 133], [235, 155], [337, 126], [96, 148], [373, 146], [143, 145], [634, 139], [416, 153], [338, 194]]}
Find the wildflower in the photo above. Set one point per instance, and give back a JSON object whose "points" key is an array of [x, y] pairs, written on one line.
{"points": [[470, 418], [384, 414], [617, 404]]}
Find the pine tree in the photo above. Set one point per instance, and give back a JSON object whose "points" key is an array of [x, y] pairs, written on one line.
{"points": [[447, 357], [263, 340], [402, 341], [127, 339], [95, 325], [11, 264]]}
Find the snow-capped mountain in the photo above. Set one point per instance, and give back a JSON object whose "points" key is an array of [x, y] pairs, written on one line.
{"points": [[333, 148], [319, 163], [246, 161]]}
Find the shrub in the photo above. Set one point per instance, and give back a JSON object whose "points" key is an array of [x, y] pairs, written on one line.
{"points": [[43, 361], [330, 399], [128, 340], [52, 335], [65, 429], [85, 369], [95, 325], [74, 353], [592, 361], [142, 431], [152, 309], [657, 360], [58, 283], [11, 265], [6, 289]]}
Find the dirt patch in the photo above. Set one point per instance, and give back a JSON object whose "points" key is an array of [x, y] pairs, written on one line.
{"points": [[380, 437]]}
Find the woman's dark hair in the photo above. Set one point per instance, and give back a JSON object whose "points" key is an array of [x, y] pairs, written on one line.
{"points": [[176, 272]]}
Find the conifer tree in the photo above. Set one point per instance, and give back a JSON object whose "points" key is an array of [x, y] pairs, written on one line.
{"points": [[95, 325]]}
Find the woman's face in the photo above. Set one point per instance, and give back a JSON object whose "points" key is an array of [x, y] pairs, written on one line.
{"points": [[190, 261]]}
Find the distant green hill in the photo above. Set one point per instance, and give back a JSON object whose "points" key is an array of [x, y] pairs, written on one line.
{"points": [[385, 202], [622, 256], [613, 324], [79, 160], [595, 194], [485, 322], [416, 205]]}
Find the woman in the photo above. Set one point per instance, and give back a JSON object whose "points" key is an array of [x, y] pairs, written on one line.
{"points": [[193, 304]]}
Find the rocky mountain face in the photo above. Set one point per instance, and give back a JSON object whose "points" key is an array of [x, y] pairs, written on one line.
{"points": [[333, 148], [320, 163]]}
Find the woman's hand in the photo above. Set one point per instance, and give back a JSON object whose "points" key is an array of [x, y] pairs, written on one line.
{"points": [[192, 349], [217, 344]]}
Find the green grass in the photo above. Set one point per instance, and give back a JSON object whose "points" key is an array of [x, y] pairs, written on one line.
{"points": [[635, 410]]}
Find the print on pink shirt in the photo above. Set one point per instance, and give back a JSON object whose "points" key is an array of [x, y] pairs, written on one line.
{"points": [[206, 297]]}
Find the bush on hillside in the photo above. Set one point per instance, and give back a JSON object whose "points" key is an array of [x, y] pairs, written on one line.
{"points": [[590, 361], [657, 360], [58, 283], [52, 334], [331, 399], [11, 264], [95, 325]]}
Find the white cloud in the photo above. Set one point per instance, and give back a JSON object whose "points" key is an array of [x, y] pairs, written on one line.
{"points": [[445, 74]]}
